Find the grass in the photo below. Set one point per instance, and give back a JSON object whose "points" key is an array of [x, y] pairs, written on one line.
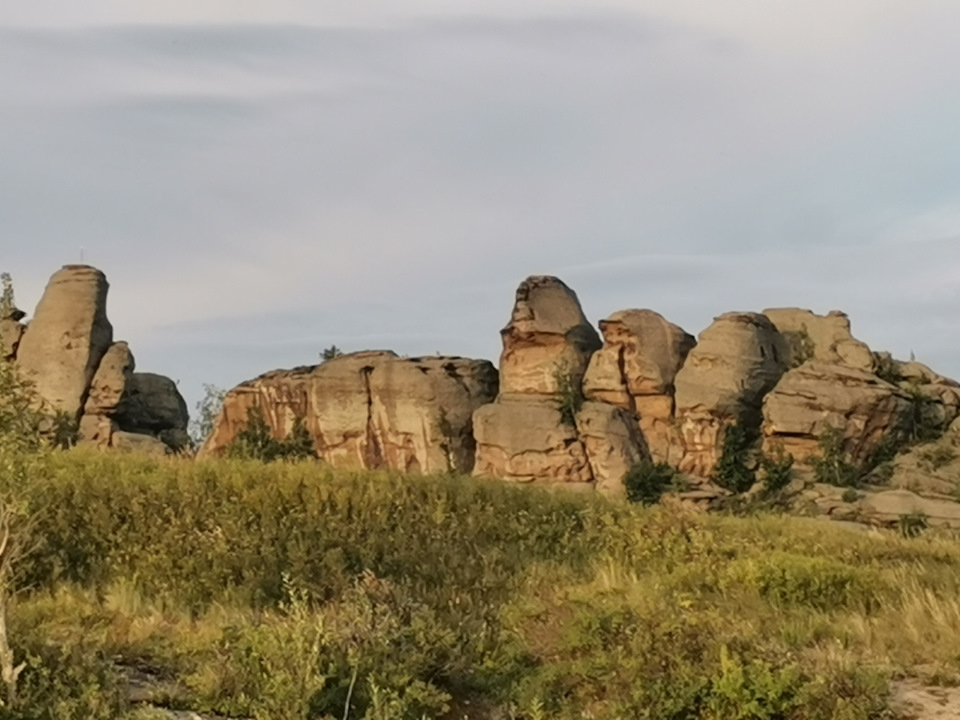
{"points": [[293, 591]]}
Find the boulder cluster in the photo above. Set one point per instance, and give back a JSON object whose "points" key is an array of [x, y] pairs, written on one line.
{"points": [[573, 408], [81, 375]]}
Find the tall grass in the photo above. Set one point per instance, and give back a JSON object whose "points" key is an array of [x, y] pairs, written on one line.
{"points": [[290, 590]]}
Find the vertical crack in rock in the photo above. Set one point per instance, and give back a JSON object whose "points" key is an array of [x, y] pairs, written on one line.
{"points": [[373, 453]]}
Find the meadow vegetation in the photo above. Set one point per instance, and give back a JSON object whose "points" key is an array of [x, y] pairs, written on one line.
{"points": [[291, 591]]}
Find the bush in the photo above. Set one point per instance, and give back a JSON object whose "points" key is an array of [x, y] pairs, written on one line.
{"points": [[208, 409], [777, 469], [256, 440], [646, 481], [832, 466], [734, 471], [924, 422], [913, 524], [569, 393]]}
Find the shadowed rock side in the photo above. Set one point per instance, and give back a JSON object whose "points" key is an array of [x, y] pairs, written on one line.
{"points": [[371, 409], [547, 345], [735, 363], [68, 352], [635, 371], [67, 337]]}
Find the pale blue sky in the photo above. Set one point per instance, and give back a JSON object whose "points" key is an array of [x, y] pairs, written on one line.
{"points": [[261, 180]]}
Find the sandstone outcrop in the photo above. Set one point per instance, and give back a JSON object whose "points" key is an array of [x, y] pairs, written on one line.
{"points": [[723, 382], [547, 337], [547, 345], [67, 337], [68, 352], [815, 397], [824, 338], [371, 409], [612, 442], [528, 441], [635, 370]]}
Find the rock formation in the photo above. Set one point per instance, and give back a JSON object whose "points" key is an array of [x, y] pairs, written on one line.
{"points": [[547, 345], [723, 382], [67, 337], [635, 370], [547, 338], [67, 352], [371, 410], [816, 397], [824, 338]]}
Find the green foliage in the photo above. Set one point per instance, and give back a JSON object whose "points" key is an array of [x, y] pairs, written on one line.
{"points": [[888, 369], [923, 421], [7, 303], [832, 466], [912, 524], [646, 481], [256, 440], [569, 393], [208, 409], [850, 495], [802, 347], [735, 469], [777, 469], [21, 424], [330, 353]]}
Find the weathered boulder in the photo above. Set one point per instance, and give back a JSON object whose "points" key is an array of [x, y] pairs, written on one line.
{"points": [[110, 381], [526, 441], [150, 404], [889, 506], [371, 409], [11, 333], [612, 442], [825, 338], [548, 336], [735, 363], [139, 443], [635, 370], [815, 397], [67, 338]]}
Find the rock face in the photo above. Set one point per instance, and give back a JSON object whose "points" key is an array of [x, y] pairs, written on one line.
{"points": [[528, 441], [67, 338], [824, 338], [635, 370], [547, 335], [371, 409], [547, 345], [815, 397], [69, 354], [613, 444], [106, 390], [723, 382]]}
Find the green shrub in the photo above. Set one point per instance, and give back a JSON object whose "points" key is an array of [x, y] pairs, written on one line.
{"points": [[802, 347], [832, 466], [924, 422], [256, 440], [888, 369], [570, 397], [777, 469], [913, 524], [734, 470], [647, 481], [208, 409]]}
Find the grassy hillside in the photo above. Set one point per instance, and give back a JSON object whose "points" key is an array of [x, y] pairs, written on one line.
{"points": [[289, 591]]}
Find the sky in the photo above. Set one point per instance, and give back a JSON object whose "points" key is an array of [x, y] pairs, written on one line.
{"points": [[261, 180]]}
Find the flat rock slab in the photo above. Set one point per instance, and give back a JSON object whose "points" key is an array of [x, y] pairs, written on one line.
{"points": [[914, 701]]}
